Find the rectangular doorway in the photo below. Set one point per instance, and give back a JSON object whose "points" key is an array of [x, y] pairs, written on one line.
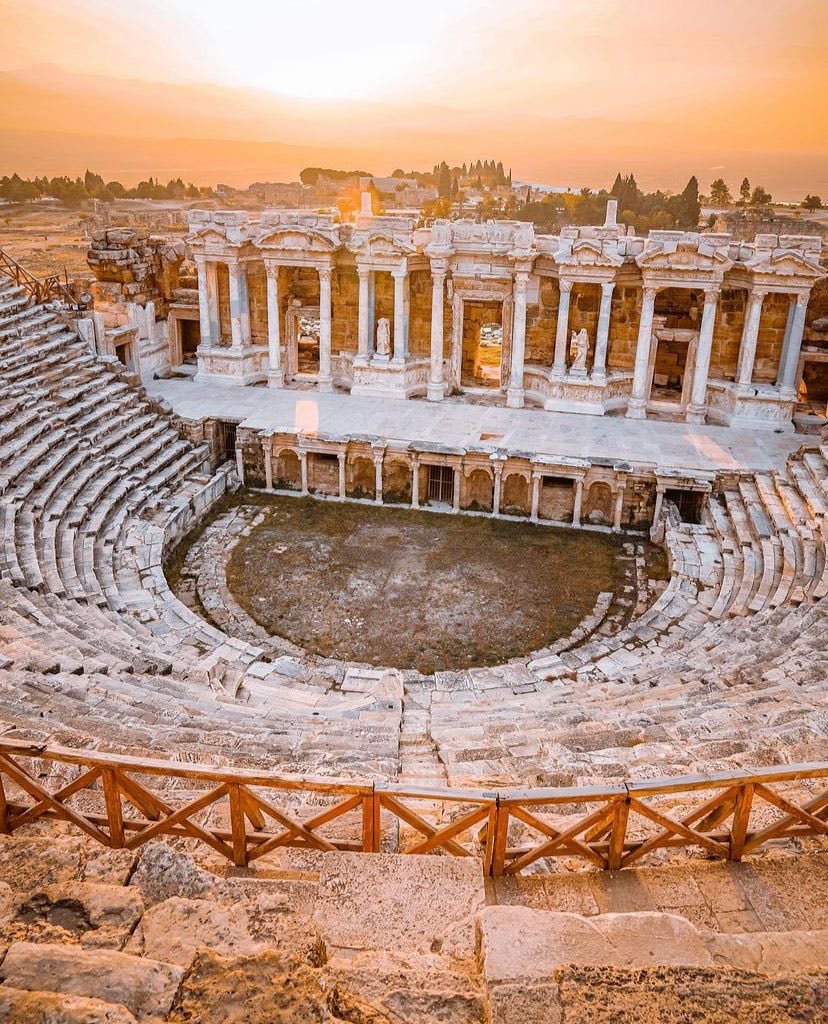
{"points": [[441, 484]]}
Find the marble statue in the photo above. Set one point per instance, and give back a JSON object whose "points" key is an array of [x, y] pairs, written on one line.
{"points": [[579, 348], [383, 337]]}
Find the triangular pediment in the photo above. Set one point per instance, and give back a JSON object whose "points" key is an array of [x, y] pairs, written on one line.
{"points": [[210, 234], [787, 263], [381, 245], [684, 259], [296, 239], [588, 252]]}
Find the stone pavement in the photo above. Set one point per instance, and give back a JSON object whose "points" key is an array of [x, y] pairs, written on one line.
{"points": [[646, 443]]}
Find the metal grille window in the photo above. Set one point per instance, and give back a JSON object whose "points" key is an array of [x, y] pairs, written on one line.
{"points": [[229, 440], [440, 483]]}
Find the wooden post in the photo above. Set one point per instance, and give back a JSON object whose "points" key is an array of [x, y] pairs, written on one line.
{"points": [[367, 824], [500, 840], [617, 835], [237, 826], [741, 816], [114, 816], [4, 810]]}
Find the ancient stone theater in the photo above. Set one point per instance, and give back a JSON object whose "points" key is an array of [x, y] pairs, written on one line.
{"points": [[406, 623]]}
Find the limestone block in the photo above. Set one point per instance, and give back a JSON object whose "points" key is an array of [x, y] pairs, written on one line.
{"points": [[145, 987], [174, 929], [28, 864], [163, 872], [17, 1006], [418, 903]]}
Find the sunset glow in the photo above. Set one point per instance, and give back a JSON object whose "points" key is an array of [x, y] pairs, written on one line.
{"points": [[571, 91]]}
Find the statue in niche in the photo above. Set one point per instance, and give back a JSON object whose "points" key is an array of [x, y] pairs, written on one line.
{"points": [[579, 348], [383, 337]]}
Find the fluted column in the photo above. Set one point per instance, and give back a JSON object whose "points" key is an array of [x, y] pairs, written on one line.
{"points": [[415, 481], [455, 498], [637, 409], [562, 332], [698, 395], [325, 378], [536, 481], [341, 458], [204, 303], [497, 488], [267, 451], [599, 364], [436, 387], [579, 500], [364, 328], [514, 394], [750, 336], [213, 303], [303, 471], [239, 309], [400, 347], [275, 376], [790, 365]]}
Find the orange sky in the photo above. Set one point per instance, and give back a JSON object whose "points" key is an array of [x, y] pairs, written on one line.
{"points": [[565, 92]]}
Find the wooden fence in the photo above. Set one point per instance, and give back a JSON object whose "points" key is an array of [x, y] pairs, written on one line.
{"points": [[244, 814], [40, 289]]}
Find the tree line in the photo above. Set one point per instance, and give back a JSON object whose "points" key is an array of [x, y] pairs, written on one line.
{"points": [[75, 191]]}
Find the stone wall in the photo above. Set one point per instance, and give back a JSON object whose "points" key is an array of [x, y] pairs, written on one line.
{"points": [[626, 313]]}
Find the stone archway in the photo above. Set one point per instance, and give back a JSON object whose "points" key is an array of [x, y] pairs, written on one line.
{"points": [[287, 474], [599, 504], [478, 491], [396, 485], [515, 500], [361, 478]]}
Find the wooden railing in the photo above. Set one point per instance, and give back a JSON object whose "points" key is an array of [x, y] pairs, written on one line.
{"points": [[40, 289], [244, 814]]}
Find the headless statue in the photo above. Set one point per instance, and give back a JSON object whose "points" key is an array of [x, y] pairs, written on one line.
{"points": [[579, 347], [383, 337]]}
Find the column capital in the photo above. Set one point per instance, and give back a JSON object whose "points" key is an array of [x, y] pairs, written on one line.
{"points": [[607, 287], [758, 294], [802, 299], [200, 260], [400, 273], [649, 291], [363, 272], [378, 457], [439, 268], [415, 458], [521, 279], [341, 456], [565, 285], [325, 271], [271, 269], [712, 293]]}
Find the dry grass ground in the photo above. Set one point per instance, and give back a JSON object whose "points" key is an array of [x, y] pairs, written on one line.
{"points": [[389, 586], [45, 239]]}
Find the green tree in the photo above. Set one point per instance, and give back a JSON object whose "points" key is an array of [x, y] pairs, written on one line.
{"points": [[760, 197], [744, 192], [690, 205], [812, 202], [444, 181], [720, 193]]}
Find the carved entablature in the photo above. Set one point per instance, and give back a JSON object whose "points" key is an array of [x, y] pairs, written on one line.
{"points": [[678, 260], [217, 231], [381, 250], [786, 270], [588, 259]]}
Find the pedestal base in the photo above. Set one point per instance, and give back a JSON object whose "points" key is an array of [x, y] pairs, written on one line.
{"points": [[515, 398], [276, 379], [637, 409], [696, 414], [324, 383], [436, 392]]}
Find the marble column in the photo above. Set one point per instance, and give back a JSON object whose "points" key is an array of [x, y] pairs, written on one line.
{"points": [[378, 479], [514, 394], [455, 498], [436, 388], [579, 500], [303, 470], [213, 303], [659, 499], [364, 328], [400, 276], [599, 364], [239, 309], [240, 465], [498, 481], [562, 331], [536, 481], [341, 458], [698, 395], [788, 369], [275, 376], [637, 409], [267, 451], [205, 325], [325, 378], [750, 336], [618, 510], [415, 481]]}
